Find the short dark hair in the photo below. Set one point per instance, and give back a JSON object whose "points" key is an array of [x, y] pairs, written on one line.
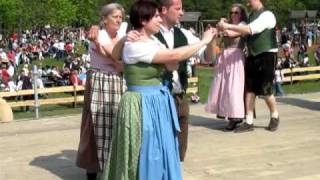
{"points": [[142, 10]]}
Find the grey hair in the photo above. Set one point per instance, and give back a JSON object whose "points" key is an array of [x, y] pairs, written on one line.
{"points": [[107, 9]]}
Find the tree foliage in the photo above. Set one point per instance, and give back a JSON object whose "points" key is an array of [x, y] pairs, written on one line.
{"points": [[24, 14]]}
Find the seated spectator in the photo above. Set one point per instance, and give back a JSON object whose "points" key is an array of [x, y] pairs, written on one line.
{"points": [[68, 47], [74, 78], [4, 74], [83, 76], [302, 52], [75, 63], [11, 85], [289, 63], [305, 61], [24, 83], [317, 55]]}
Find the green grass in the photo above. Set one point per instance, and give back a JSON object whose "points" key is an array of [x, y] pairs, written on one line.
{"points": [[47, 111], [302, 87], [206, 74]]}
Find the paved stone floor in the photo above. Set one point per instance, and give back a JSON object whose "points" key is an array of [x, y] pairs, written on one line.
{"points": [[45, 149]]}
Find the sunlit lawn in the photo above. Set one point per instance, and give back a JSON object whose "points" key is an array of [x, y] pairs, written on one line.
{"points": [[205, 75]]}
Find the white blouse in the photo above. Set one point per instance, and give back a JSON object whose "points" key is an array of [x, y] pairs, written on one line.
{"points": [[141, 51]]}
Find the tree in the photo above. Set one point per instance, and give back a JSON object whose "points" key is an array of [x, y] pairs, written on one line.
{"points": [[88, 12], [60, 13], [10, 13]]}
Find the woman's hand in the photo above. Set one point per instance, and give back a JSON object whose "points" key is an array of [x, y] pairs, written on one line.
{"points": [[93, 33], [222, 24]]}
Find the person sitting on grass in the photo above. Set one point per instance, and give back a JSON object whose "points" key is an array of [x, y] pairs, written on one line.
{"points": [[317, 56]]}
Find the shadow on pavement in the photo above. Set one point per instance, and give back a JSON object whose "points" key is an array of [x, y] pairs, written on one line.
{"points": [[210, 123], [62, 165], [213, 123], [311, 105]]}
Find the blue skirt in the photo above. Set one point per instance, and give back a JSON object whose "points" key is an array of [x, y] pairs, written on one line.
{"points": [[159, 153]]}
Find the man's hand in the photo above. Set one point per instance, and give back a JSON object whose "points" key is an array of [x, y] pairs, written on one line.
{"points": [[208, 35], [118, 65]]}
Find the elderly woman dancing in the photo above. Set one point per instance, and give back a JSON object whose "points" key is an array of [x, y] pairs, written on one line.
{"points": [[104, 87]]}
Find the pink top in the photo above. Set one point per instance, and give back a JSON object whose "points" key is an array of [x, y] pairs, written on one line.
{"points": [[97, 60]]}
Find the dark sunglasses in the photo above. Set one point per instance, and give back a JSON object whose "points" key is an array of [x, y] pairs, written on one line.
{"points": [[234, 12]]}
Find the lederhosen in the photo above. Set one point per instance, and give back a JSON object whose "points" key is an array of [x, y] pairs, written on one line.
{"points": [[260, 65], [181, 100]]}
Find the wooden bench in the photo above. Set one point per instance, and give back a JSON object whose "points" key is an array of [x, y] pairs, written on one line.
{"points": [[301, 74]]}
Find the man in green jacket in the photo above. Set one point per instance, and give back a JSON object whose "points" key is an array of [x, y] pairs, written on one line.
{"points": [[260, 64]]}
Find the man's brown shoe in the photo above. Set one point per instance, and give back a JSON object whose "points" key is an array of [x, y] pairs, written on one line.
{"points": [[273, 124]]}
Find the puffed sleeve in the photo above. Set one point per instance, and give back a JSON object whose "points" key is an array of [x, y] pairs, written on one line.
{"points": [[134, 52]]}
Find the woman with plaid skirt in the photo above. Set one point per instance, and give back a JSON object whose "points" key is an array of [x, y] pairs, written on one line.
{"points": [[104, 88], [144, 143]]}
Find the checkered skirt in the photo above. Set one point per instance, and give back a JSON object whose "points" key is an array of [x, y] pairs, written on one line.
{"points": [[105, 93]]}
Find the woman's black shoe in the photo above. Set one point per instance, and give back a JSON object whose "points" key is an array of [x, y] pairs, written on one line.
{"points": [[91, 176], [232, 124], [220, 117]]}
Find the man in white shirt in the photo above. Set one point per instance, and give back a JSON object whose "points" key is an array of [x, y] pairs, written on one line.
{"points": [[171, 12], [260, 65]]}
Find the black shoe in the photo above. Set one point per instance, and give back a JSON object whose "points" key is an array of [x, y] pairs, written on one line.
{"points": [[232, 124], [244, 127], [273, 124], [91, 176], [220, 117]]}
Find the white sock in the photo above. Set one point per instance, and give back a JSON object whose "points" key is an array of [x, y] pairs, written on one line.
{"points": [[274, 114], [249, 118]]}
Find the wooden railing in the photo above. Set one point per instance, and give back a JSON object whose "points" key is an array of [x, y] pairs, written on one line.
{"points": [[192, 85], [301, 74], [61, 100], [16, 102]]}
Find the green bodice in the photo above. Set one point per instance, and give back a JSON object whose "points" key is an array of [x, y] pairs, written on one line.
{"points": [[142, 74]]}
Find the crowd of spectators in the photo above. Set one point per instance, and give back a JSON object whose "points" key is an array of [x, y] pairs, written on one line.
{"points": [[295, 42], [19, 52]]}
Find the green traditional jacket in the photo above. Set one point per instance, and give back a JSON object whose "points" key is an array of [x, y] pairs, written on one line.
{"points": [[261, 42]]}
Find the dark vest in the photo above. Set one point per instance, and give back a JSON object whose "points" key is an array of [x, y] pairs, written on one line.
{"points": [[261, 42], [179, 40]]}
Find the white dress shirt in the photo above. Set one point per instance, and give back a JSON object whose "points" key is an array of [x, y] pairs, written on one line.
{"points": [[168, 36]]}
